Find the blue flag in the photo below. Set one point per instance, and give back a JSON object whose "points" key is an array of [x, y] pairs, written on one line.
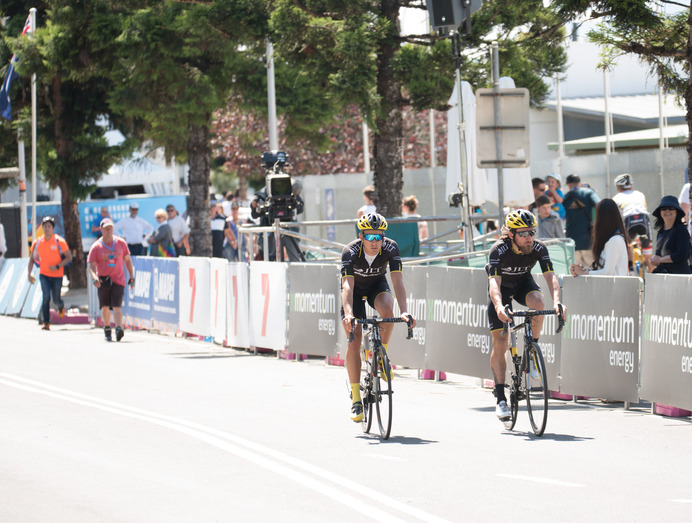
{"points": [[5, 104]]}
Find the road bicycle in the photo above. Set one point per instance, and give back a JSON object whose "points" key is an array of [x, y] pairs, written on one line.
{"points": [[529, 379], [376, 391]]}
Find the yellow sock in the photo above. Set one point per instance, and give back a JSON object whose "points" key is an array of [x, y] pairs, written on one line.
{"points": [[355, 391], [386, 346]]}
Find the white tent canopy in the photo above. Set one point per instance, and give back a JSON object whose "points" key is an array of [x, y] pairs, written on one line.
{"points": [[482, 182]]}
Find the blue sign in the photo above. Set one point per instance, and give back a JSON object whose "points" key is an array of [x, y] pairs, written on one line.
{"points": [[165, 292], [137, 305]]}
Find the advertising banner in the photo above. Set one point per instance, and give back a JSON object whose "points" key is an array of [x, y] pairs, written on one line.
{"points": [[666, 366], [34, 296], [600, 341], [217, 297], [411, 353], [238, 305], [12, 273], [194, 295], [164, 313], [268, 305], [457, 333], [16, 301], [314, 317], [138, 301]]}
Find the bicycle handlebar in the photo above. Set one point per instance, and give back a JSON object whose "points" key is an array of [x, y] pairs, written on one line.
{"points": [[377, 321], [531, 313]]}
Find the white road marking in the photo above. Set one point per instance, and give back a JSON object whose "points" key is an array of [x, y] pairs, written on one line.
{"points": [[681, 500], [536, 479], [249, 450]]}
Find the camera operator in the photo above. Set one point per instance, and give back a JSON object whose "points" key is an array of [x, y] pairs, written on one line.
{"points": [[284, 203]]}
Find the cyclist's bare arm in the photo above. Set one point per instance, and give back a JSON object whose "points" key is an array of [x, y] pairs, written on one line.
{"points": [[347, 283], [554, 287], [494, 284], [400, 292]]}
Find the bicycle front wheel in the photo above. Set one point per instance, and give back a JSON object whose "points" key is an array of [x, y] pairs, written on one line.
{"points": [[367, 393], [513, 407], [383, 395], [536, 389]]}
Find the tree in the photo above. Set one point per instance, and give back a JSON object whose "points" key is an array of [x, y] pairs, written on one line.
{"points": [[355, 49], [176, 64], [662, 41], [72, 111]]}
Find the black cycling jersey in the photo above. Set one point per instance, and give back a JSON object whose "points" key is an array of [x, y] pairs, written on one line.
{"points": [[354, 263], [513, 266]]}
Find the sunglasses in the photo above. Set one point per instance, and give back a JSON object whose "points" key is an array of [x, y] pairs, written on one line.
{"points": [[374, 237], [668, 209], [525, 234]]}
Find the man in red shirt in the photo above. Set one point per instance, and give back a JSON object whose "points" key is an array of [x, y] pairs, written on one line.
{"points": [[107, 259], [51, 253]]}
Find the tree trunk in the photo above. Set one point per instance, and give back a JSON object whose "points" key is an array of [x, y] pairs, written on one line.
{"points": [[76, 272], [388, 136], [198, 207], [73, 236]]}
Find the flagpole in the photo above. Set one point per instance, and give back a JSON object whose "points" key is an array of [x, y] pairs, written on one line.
{"points": [[32, 14], [23, 246]]}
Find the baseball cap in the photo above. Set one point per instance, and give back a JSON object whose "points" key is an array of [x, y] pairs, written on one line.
{"points": [[134, 205], [48, 219], [106, 222]]}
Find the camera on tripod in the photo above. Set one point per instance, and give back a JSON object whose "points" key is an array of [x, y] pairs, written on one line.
{"points": [[280, 201]]}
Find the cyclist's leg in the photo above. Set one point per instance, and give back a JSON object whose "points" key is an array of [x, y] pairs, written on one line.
{"points": [[530, 295], [353, 361], [380, 298], [498, 362]]}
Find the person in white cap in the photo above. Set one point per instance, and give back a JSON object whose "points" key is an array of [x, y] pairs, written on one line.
{"points": [[107, 259], [134, 229], [554, 182]]}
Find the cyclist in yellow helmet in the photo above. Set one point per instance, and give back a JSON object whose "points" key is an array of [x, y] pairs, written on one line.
{"points": [[509, 266], [364, 264]]}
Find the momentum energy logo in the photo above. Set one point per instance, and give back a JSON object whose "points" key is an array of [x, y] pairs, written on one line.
{"points": [[597, 327], [458, 313], [316, 303], [668, 330]]}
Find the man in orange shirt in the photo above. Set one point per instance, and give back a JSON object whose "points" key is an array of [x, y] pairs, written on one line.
{"points": [[51, 253]]}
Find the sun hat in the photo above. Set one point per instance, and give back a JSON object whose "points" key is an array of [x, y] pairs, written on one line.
{"points": [[668, 201]]}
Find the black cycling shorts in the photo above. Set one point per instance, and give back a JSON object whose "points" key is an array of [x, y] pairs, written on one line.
{"points": [[369, 293], [518, 293], [110, 294]]}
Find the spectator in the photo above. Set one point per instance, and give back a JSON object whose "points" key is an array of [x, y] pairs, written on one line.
{"points": [[52, 254], [635, 214], [96, 228], [107, 260], [220, 230], [609, 245], [549, 223], [538, 185], [226, 203], [685, 204], [673, 240], [368, 196], [234, 252], [161, 242], [554, 182], [180, 231], [3, 241], [134, 230], [408, 209], [580, 203]]}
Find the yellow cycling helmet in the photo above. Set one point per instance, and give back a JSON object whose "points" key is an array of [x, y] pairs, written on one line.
{"points": [[372, 221], [520, 218]]}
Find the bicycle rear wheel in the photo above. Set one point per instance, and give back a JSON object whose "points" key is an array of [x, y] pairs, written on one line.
{"points": [[536, 389], [366, 390], [383, 396], [513, 408]]}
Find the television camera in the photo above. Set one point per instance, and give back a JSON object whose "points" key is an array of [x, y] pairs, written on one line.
{"points": [[279, 200]]}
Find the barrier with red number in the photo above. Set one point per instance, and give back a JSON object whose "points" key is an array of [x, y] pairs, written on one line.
{"points": [[237, 305], [217, 297], [268, 305], [194, 296]]}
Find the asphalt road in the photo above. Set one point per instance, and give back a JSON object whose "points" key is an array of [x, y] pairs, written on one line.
{"points": [[157, 429]]}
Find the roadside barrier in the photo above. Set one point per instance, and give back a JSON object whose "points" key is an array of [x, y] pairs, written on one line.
{"points": [[619, 343]]}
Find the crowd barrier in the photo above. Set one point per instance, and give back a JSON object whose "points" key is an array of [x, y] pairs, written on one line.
{"points": [[619, 342]]}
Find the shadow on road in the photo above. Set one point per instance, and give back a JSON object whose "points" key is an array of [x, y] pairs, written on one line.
{"points": [[401, 440], [547, 436]]}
